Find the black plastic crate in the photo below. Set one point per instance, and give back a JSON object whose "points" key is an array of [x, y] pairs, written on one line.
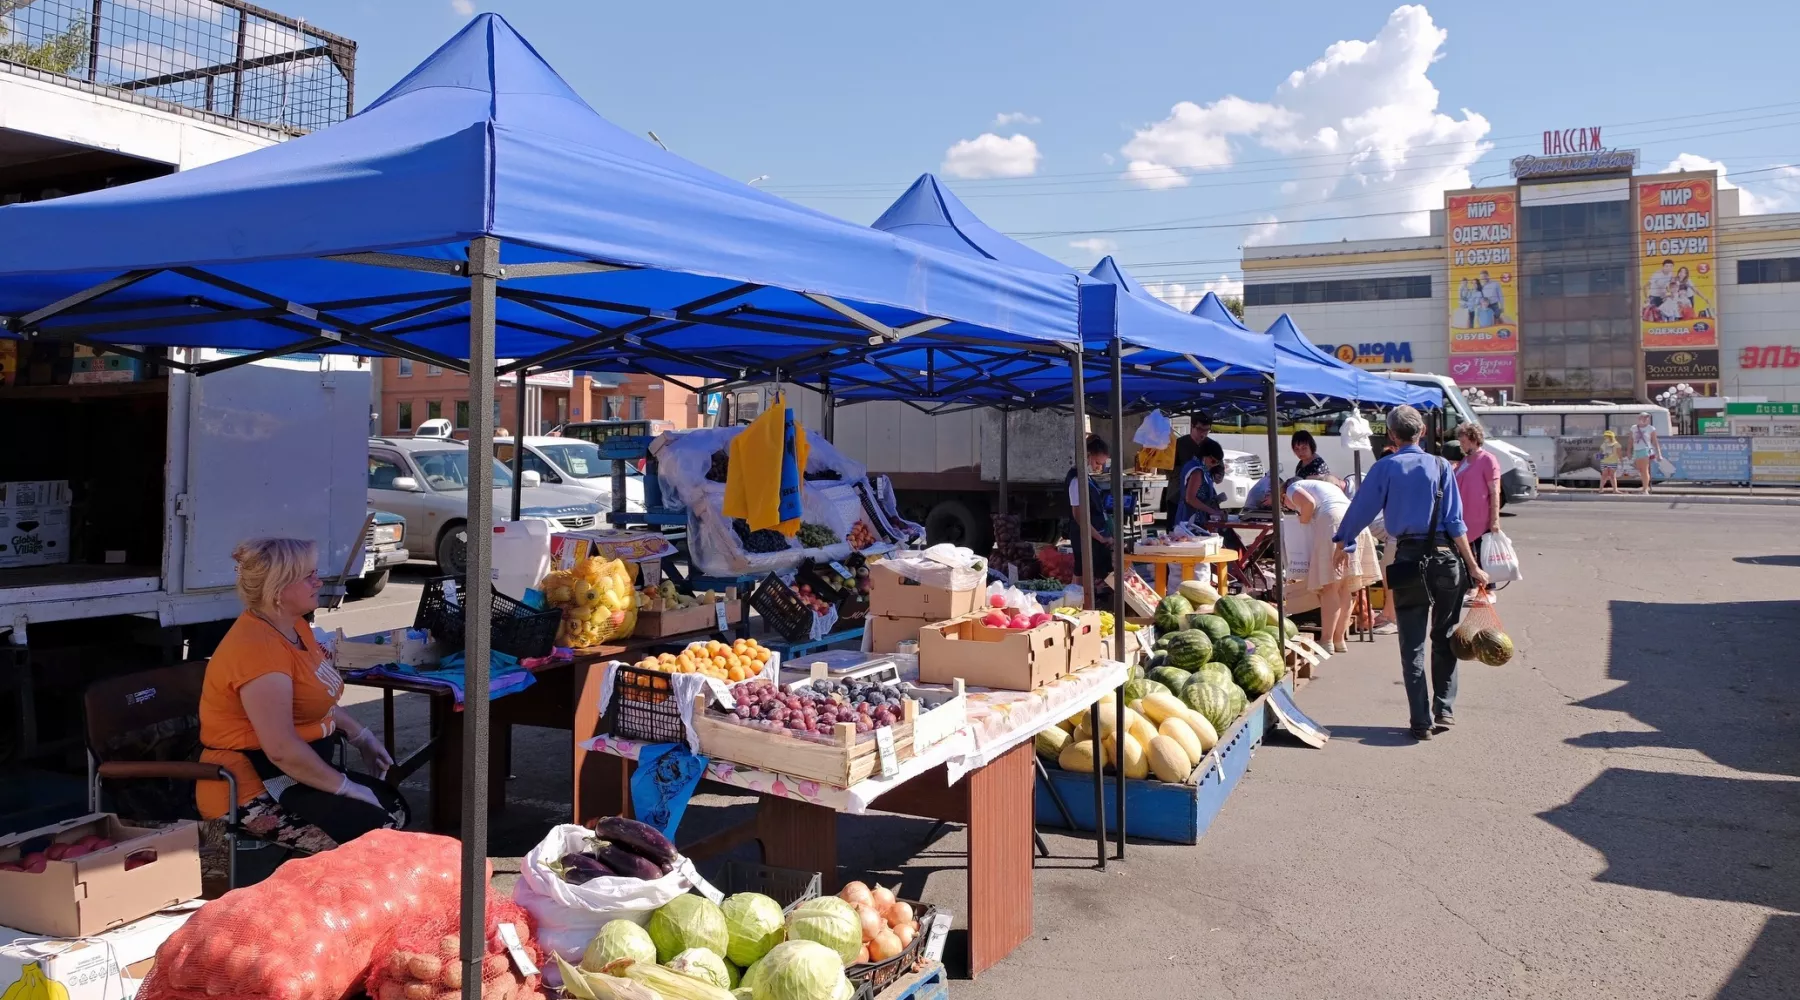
{"points": [[782, 609], [514, 628], [788, 886], [878, 976], [643, 707]]}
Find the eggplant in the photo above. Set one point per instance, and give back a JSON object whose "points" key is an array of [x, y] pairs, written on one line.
{"points": [[578, 869], [640, 839], [624, 862]]}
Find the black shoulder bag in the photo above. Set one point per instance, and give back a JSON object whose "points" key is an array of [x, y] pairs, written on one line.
{"points": [[1443, 571]]}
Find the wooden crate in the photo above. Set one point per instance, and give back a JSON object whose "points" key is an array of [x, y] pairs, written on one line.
{"points": [[842, 762]]}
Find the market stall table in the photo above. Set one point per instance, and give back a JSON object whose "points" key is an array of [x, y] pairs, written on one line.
{"points": [[982, 777], [1186, 564]]}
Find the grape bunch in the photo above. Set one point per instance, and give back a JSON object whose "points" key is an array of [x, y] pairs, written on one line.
{"points": [[760, 540], [818, 707], [719, 467]]}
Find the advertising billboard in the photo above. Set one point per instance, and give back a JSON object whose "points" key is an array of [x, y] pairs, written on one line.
{"points": [[1677, 271], [1499, 370], [1484, 297]]}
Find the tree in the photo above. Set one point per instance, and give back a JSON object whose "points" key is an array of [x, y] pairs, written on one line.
{"points": [[62, 53], [1235, 304]]}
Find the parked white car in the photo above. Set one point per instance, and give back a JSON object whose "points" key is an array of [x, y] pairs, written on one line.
{"points": [[575, 465]]}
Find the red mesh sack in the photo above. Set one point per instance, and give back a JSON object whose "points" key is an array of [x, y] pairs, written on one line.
{"points": [[424, 961], [308, 932]]}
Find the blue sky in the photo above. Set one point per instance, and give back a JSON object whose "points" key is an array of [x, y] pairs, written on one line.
{"points": [[1196, 127]]}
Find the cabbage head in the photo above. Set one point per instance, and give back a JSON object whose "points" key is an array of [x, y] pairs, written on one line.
{"points": [[618, 939], [690, 921], [702, 965], [798, 970], [829, 921], [754, 922]]}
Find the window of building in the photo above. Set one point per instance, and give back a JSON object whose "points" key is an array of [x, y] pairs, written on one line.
{"points": [[403, 415], [432, 371], [434, 410], [1417, 286], [637, 407], [1768, 271], [609, 408], [462, 414], [403, 367]]}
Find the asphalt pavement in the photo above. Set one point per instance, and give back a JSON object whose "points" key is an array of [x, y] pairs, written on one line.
{"points": [[1616, 813]]}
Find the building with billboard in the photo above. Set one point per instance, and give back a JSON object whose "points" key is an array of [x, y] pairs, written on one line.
{"points": [[1583, 280]]}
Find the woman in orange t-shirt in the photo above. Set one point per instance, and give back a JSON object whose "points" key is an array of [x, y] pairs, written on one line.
{"points": [[269, 713]]}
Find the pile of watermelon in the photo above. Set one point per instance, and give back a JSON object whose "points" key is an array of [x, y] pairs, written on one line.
{"points": [[1215, 663]]}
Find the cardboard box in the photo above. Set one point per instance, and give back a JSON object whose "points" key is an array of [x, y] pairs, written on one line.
{"points": [[896, 596], [1086, 647], [653, 624], [34, 536], [35, 493], [101, 967], [1009, 659], [96, 893], [886, 632], [112, 368]]}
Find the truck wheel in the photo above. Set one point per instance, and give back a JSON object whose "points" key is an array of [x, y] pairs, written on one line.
{"points": [[453, 550], [367, 586], [956, 522]]}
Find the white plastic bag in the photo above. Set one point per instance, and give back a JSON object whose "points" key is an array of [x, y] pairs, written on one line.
{"points": [[1355, 432], [568, 916], [1499, 560], [1155, 431]]}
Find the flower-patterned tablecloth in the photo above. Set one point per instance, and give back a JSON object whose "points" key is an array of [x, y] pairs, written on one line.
{"points": [[998, 721]]}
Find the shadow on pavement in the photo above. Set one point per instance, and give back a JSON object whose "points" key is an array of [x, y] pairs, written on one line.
{"points": [[1768, 560], [1374, 736], [1767, 972]]}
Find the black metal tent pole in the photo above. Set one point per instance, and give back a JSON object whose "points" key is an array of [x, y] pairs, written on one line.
{"points": [[484, 273], [1078, 501], [1005, 432], [1118, 569], [1275, 503]]}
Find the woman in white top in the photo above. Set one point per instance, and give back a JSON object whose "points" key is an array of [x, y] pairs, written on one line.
{"points": [[1321, 505]]}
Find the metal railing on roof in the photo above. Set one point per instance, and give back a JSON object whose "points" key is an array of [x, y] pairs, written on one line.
{"points": [[219, 57]]}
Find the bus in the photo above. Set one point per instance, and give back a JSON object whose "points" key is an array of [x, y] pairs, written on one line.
{"points": [[1535, 427], [1518, 473]]}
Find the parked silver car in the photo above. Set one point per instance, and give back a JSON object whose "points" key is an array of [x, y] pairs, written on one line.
{"points": [[426, 481], [577, 464]]}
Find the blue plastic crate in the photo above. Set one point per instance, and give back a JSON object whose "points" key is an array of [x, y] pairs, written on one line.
{"points": [[1159, 810]]}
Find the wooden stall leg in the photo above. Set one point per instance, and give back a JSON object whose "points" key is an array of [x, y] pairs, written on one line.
{"points": [[804, 836], [1000, 857]]}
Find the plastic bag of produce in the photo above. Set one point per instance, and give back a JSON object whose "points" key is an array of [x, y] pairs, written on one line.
{"points": [[949, 566], [310, 930], [568, 915], [423, 961]]}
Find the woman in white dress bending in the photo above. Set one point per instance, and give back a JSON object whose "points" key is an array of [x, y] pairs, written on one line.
{"points": [[1321, 505]]}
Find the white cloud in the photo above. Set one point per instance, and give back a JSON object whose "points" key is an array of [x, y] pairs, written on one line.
{"points": [[464, 7], [1777, 189], [1186, 297], [1263, 232], [1006, 118], [1097, 246], [988, 155], [1364, 116]]}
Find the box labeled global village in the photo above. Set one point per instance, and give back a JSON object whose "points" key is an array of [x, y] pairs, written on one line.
{"points": [[106, 966]]}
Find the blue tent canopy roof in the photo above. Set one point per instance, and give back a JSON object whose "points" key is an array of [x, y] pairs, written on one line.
{"points": [[485, 139]]}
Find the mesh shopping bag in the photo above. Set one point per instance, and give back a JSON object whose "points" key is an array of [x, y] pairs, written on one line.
{"points": [[1480, 636]]}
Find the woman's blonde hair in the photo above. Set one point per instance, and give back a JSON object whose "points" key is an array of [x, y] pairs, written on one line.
{"points": [[267, 566]]}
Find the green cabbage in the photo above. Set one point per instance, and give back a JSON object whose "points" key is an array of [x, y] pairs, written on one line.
{"points": [[618, 939], [689, 922], [798, 970], [754, 922], [702, 965], [829, 921]]}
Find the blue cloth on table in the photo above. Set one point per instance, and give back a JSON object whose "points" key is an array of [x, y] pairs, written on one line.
{"points": [[664, 781], [505, 675]]}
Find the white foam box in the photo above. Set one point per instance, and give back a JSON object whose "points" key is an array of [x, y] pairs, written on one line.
{"points": [[106, 966], [35, 493], [34, 536]]}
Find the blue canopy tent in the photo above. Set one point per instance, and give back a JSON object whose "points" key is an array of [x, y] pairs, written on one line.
{"points": [[481, 208]]}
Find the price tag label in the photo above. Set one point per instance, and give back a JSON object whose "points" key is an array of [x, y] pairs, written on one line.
{"points": [[721, 693], [1143, 640], [450, 595], [842, 570], [719, 614], [884, 748], [509, 936], [707, 889], [940, 932]]}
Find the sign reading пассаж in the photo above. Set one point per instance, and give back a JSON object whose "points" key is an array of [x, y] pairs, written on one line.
{"points": [[1681, 366]]}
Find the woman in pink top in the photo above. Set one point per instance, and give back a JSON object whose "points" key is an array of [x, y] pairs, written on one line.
{"points": [[1478, 483]]}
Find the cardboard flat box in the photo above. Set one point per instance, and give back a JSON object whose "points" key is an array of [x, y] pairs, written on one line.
{"points": [[104, 966], [35, 493], [897, 596], [1086, 647], [34, 536], [96, 893], [652, 624], [886, 632], [1008, 659]]}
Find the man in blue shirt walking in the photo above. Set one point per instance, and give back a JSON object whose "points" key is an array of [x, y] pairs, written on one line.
{"points": [[1416, 495]]}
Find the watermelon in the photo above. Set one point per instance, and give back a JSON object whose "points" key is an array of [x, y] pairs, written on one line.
{"points": [[1269, 615], [1135, 673], [1173, 678], [1159, 658], [1211, 701], [1274, 663], [1254, 675], [1228, 650], [1215, 671], [1136, 689], [1238, 701], [1189, 649], [1214, 626], [1172, 612], [1492, 646], [1264, 639], [1162, 641], [1463, 645], [1289, 629], [1240, 613]]}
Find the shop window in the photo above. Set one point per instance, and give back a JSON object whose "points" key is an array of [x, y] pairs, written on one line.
{"points": [[1768, 271], [434, 410], [637, 407], [403, 367], [1417, 286], [433, 371], [462, 414], [403, 415]]}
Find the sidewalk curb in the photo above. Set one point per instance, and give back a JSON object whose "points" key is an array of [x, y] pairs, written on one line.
{"points": [[1671, 498]]}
